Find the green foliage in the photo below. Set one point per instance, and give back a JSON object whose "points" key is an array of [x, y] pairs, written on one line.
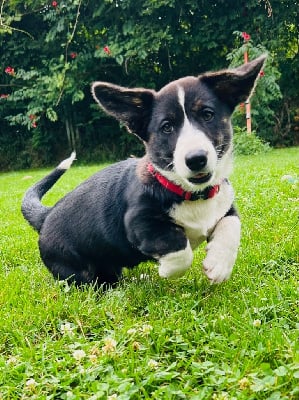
{"points": [[248, 144], [152, 338], [267, 91], [57, 49]]}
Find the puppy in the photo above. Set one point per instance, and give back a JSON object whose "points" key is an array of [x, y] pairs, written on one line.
{"points": [[159, 207]]}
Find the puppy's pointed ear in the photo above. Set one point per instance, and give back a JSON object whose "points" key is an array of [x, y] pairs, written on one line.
{"points": [[133, 107], [234, 86]]}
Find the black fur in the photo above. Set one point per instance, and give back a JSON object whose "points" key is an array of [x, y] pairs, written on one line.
{"points": [[89, 238]]}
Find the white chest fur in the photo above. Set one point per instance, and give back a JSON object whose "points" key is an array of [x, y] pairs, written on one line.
{"points": [[200, 217]]}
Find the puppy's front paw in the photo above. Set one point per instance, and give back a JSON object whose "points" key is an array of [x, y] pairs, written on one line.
{"points": [[222, 249], [174, 265], [218, 264]]}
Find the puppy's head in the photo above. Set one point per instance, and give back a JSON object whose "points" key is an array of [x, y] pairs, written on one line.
{"points": [[185, 126]]}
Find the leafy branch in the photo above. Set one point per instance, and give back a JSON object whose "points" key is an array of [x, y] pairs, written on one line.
{"points": [[66, 53], [8, 28]]}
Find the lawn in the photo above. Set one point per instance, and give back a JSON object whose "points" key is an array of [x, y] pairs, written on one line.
{"points": [[152, 338]]}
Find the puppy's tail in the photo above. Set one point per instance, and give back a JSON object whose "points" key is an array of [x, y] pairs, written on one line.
{"points": [[33, 210]]}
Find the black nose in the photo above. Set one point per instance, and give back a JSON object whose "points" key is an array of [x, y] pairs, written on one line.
{"points": [[196, 160]]}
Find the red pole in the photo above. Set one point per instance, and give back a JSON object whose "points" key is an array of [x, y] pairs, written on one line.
{"points": [[246, 37]]}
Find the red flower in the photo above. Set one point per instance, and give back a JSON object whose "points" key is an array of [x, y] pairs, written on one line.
{"points": [[54, 4], [262, 73], [4, 96], [246, 36], [73, 55], [32, 118], [107, 50], [9, 70]]}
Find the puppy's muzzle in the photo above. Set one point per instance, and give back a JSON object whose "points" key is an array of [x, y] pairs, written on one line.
{"points": [[196, 161]]}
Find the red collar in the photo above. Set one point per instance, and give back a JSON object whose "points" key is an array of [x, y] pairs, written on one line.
{"points": [[205, 194]]}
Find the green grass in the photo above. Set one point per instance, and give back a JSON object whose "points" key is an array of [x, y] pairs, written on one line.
{"points": [[152, 338]]}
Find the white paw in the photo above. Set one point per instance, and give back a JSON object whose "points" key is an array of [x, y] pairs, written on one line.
{"points": [[218, 264], [174, 265], [222, 249]]}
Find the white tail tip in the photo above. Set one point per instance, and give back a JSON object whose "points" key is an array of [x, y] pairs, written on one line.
{"points": [[66, 164]]}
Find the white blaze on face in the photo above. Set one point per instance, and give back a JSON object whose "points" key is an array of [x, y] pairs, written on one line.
{"points": [[191, 139]]}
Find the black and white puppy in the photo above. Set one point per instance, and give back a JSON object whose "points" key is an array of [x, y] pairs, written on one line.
{"points": [[159, 207]]}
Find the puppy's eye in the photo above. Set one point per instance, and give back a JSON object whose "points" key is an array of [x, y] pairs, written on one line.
{"points": [[167, 127], [207, 114]]}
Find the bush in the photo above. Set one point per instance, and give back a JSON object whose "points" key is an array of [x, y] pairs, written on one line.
{"points": [[248, 144]]}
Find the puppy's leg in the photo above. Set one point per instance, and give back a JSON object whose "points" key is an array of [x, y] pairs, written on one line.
{"points": [[107, 276], [62, 271], [159, 238], [66, 268], [222, 249], [87, 274], [65, 263], [174, 265]]}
